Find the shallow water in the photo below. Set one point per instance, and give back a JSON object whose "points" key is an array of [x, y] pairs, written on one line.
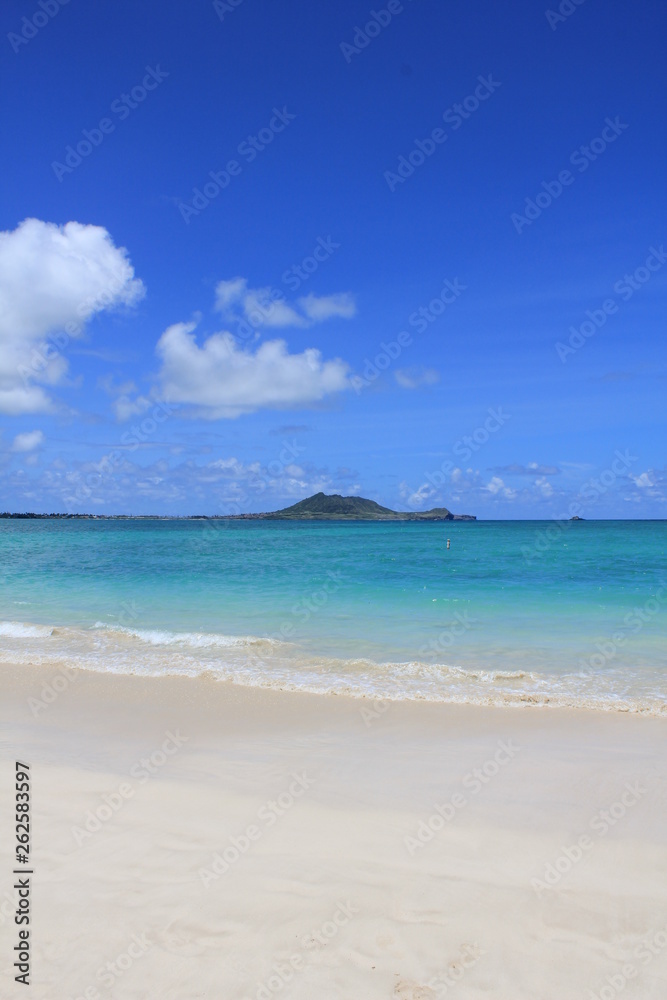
{"points": [[515, 612]]}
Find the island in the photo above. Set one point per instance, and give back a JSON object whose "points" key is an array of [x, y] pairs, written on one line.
{"points": [[319, 507], [334, 507]]}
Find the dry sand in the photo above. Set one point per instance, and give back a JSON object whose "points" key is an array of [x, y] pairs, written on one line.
{"points": [[286, 845]]}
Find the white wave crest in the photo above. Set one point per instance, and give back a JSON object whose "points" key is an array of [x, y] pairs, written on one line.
{"points": [[24, 630], [194, 640]]}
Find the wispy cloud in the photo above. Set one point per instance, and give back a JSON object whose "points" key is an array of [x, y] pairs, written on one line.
{"points": [[413, 378], [322, 307], [531, 469], [268, 307]]}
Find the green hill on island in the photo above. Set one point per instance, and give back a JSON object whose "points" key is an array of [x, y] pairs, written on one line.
{"points": [[318, 507], [336, 507]]}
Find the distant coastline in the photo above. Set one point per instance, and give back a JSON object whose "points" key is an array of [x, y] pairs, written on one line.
{"points": [[319, 507]]}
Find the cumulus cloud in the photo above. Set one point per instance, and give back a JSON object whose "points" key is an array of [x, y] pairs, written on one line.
{"points": [[228, 293], [413, 378], [643, 481], [268, 307], [220, 379], [544, 486], [27, 441], [650, 485], [53, 279], [415, 499], [125, 407], [497, 487]]}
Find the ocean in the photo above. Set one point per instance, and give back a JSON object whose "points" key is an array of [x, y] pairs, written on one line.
{"points": [[513, 613]]}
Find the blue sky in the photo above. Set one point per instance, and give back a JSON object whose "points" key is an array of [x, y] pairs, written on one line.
{"points": [[431, 269]]}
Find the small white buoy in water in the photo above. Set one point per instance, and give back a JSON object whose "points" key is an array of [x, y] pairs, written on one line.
{"points": [[448, 543]]}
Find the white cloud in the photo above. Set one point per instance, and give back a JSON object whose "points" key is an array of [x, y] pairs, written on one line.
{"points": [[412, 378], [263, 309], [268, 307], [52, 279], [28, 441], [228, 293], [125, 407], [224, 485], [222, 380], [544, 486], [650, 485], [415, 499], [19, 399], [320, 307], [497, 487]]}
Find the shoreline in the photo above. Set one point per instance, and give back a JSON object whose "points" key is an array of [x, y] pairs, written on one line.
{"points": [[353, 848], [273, 664]]}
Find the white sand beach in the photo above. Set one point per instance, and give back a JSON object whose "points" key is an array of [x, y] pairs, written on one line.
{"points": [[196, 839]]}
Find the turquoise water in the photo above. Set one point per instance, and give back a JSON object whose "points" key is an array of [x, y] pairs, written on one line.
{"points": [[513, 613]]}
